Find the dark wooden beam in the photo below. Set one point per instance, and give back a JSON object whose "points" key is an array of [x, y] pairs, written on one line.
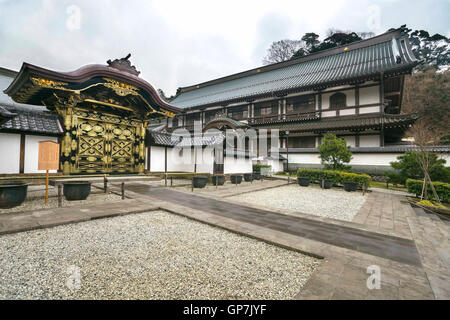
{"points": [[22, 154]]}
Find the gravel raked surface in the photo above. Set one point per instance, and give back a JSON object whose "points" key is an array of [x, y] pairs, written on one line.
{"points": [[152, 255], [36, 199], [330, 203]]}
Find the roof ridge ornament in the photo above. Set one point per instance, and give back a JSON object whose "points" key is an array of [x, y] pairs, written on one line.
{"points": [[123, 64]]}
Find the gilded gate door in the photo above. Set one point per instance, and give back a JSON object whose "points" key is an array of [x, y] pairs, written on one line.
{"points": [[121, 148], [92, 146], [104, 147]]}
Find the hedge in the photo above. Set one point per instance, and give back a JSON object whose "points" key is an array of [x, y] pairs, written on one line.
{"points": [[337, 177], [442, 189], [258, 166]]}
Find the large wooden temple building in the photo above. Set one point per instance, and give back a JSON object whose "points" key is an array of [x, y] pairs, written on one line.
{"points": [[109, 120]]}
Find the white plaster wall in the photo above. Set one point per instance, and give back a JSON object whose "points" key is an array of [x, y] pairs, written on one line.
{"points": [[350, 140], [347, 112], [9, 153], [237, 165], [369, 141], [369, 110], [369, 95], [368, 159], [310, 158], [350, 98], [32, 153], [205, 163], [277, 165], [157, 158]]}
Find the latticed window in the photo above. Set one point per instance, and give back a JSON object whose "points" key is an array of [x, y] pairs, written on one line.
{"points": [[338, 101]]}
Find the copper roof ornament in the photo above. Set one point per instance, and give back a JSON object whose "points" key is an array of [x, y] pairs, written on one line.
{"points": [[123, 64]]}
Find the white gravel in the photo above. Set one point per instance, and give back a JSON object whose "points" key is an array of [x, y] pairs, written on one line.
{"points": [[36, 199], [154, 255], [329, 203]]}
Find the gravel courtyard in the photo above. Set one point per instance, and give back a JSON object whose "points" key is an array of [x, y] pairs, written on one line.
{"points": [[153, 255], [329, 203]]}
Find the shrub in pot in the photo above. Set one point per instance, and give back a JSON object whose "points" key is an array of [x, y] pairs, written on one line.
{"points": [[199, 181], [248, 177], [76, 190], [256, 176], [236, 178], [218, 180], [350, 186], [12, 194], [326, 184], [303, 181]]}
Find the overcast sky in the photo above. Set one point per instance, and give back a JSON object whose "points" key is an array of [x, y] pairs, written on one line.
{"points": [[181, 43]]}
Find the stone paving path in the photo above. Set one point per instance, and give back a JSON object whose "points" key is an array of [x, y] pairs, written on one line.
{"points": [[398, 249], [45, 218]]}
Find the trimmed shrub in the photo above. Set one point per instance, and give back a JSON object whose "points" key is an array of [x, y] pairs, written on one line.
{"points": [[258, 166], [337, 177], [442, 189]]}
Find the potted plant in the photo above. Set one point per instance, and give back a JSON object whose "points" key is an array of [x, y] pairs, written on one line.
{"points": [[248, 177], [76, 190], [12, 194], [303, 181], [350, 186], [218, 180], [256, 176], [236, 178], [326, 184], [199, 181]]}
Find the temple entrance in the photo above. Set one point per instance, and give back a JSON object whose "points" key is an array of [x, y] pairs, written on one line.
{"points": [[103, 110], [104, 147]]}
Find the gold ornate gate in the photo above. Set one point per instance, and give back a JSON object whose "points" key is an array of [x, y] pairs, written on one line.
{"points": [[103, 143]]}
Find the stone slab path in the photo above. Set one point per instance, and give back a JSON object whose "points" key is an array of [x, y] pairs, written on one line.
{"points": [[45, 218], [398, 249]]}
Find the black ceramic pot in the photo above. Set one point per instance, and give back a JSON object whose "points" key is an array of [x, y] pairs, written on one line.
{"points": [[304, 182], [200, 181], [350, 186], [248, 177], [236, 178], [256, 176], [220, 180], [12, 194], [327, 184], [76, 190]]}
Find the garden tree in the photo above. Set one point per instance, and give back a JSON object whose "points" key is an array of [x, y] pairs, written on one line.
{"points": [[433, 50], [408, 167], [334, 152], [281, 51], [428, 94], [424, 138]]}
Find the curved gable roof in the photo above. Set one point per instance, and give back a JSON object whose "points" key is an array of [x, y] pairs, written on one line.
{"points": [[34, 84]]}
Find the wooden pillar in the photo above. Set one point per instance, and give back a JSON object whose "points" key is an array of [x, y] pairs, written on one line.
{"points": [[22, 154], [357, 99], [149, 157], [382, 108], [165, 159]]}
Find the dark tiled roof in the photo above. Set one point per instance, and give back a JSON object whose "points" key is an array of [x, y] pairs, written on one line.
{"points": [[387, 149], [234, 123], [348, 122], [31, 122], [173, 139], [360, 61]]}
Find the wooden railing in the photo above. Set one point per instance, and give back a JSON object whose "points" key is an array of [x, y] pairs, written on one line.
{"points": [[310, 115]]}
